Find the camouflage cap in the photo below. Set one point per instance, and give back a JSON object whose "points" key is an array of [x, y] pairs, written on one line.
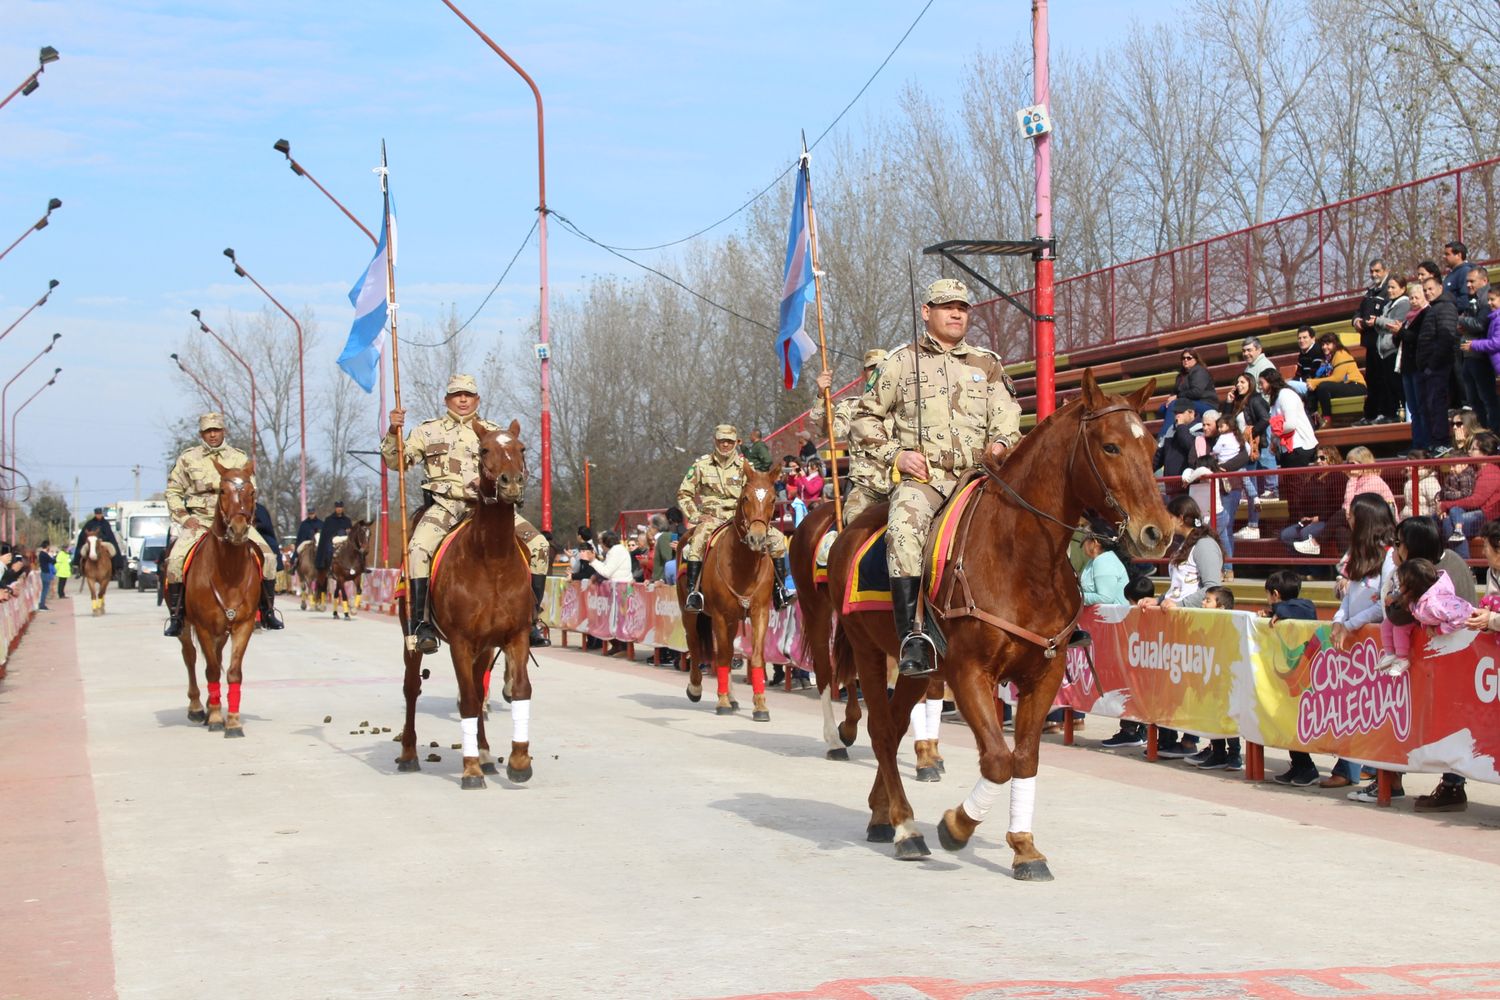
{"points": [[874, 357], [947, 290], [462, 383], [726, 432], [210, 421]]}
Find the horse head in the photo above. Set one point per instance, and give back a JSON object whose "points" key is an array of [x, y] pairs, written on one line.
{"points": [[502, 465], [236, 502], [756, 508], [1120, 453], [359, 536]]}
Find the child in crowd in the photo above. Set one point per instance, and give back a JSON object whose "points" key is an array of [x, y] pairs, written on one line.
{"points": [[1424, 490], [1283, 590], [1221, 755], [1426, 593], [1131, 733]]}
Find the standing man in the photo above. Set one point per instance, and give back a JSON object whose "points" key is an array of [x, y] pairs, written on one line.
{"points": [[757, 453], [100, 524], [869, 480], [708, 496], [334, 528], [1473, 324], [64, 571], [1437, 343], [1370, 307], [950, 406], [192, 497], [47, 566], [447, 448]]}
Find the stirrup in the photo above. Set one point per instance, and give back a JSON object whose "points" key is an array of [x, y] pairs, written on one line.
{"points": [[427, 638], [918, 656], [694, 600]]}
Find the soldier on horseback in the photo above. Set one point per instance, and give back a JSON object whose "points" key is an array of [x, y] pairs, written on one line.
{"points": [[192, 495], [308, 530], [869, 480], [99, 524], [447, 448], [335, 526], [708, 496], [935, 410]]}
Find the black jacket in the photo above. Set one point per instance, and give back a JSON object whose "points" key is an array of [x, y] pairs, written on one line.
{"points": [[1474, 317], [1309, 361], [1369, 307], [106, 534], [1437, 335], [1197, 384], [1297, 608], [1257, 414], [267, 530], [333, 526], [1178, 452], [307, 529]]}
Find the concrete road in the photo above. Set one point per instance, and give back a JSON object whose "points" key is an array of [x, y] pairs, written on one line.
{"points": [[659, 851]]}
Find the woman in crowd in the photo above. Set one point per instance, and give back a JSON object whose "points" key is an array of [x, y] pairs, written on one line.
{"points": [[1194, 384], [1406, 365], [1458, 479], [612, 567], [1230, 455], [1365, 480], [1314, 503], [1366, 574], [1338, 376], [1252, 414], [812, 482], [1309, 360], [1463, 516], [1380, 364], [1289, 423]]}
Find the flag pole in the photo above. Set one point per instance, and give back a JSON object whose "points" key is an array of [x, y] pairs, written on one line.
{"points": [[812, 232], [390, 308]]}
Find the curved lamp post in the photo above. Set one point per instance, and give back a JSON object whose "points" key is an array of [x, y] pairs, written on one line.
{"points": [[206, 390], [301, 378], [543, 351], [28, 86], [15, 435], [39, 302], [254, 431], [53, 204], [6, 391]]}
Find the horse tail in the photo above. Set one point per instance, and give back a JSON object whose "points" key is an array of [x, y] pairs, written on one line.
{"points": [[843, 656], [706, 634]]}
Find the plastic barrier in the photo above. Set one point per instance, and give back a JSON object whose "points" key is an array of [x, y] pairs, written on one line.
{"points": [[380, 590], [16, 614]]}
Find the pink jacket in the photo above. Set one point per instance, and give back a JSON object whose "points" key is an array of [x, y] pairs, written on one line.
{"points": [[1441, 608], [1367, 482]]}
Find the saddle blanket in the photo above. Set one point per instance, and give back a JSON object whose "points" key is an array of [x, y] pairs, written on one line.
{"points": [[437, 557], [187, 560], [869, 587]]}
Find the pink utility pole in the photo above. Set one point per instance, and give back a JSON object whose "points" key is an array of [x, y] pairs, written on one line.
{"points": [[1046, 364]]}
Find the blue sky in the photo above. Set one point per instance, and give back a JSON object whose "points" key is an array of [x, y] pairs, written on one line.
{"points": [[155, 129]]}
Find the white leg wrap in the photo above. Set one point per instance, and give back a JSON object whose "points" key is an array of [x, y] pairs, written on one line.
{"points": [[471, 736], [906, 831], [981, 799], [919, 721], [520, 717], [830, 728], [1022, 803], [934, 717]]}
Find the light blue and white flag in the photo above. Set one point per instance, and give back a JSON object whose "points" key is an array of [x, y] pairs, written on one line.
{"points": [[361, 356], [793, 345]]}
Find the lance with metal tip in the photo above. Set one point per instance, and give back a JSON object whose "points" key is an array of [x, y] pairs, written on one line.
{"points": [[812, 233], [390, 308]]}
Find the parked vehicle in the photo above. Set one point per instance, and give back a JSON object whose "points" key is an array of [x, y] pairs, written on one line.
{"points": [[148, 566]]}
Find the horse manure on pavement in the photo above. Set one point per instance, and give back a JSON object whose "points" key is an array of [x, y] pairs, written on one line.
{"points": [[455, 746], [362, 725], [433, 744], [433, 758], [385, 729], [327, 718]]}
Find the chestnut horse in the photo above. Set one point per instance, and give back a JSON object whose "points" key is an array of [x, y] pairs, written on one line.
{"points": [[221, 592], [480, 599], [1007, 604], [816, 604], [348, 569], [314, 581], [736, 581], [97, 569]]}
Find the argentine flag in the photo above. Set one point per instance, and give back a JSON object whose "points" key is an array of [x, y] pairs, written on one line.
{"points": [[361, 356], [793, 345]]}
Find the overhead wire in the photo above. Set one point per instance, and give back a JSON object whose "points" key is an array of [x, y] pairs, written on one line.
{"points": [[514, 257]]}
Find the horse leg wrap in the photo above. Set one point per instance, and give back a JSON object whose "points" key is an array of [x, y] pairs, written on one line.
{"points": [[213, 692], [356, 601], [977, 805], [520, 720], [234, 698], [470, 728], [758, 680], [934, 717], [919, 722], [1022, 803], [723, 675]]}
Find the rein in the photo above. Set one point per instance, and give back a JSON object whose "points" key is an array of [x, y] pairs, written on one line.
{"points": [[742, 525]]}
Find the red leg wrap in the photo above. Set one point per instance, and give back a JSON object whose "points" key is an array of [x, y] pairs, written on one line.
{"points": [[723, 673], [234, 698], [758, 680], [213, 692], [487, 675]]}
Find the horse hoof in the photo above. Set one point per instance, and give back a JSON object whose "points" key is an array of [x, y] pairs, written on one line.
{"points": [[347, 617], [236, 733], [725, 709], [941, 768], [488, 767], [521, 776], [760, 716], [929, 774], [837, 753], [695, 697], [472, 781], [947, 839], [848, 741], [197, 716], [913, 848], [880, 833], [216, 727], [407, 766], [734, 704], [1031, 871]]}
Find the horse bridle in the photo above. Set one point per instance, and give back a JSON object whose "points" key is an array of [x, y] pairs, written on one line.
{"points": [[479, 488], [250, 517]]}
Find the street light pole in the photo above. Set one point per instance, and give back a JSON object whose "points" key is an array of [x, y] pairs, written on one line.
{"points": [[28, 86], [15, 434], [543, 349], [254, 427], [284, 147], [301, 375], [39, 302], [219, 403], [52, 205], [6, 391]]}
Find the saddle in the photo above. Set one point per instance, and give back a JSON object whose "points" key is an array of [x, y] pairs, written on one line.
{"points": [[306, 543]]}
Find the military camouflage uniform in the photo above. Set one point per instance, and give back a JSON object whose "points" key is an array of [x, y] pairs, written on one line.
{"points": [[967, 403], [708, 496], [869, 480], [193, 491]]}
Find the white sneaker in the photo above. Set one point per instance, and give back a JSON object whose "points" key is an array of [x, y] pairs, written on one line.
{"points": [[1457, 536], [1386, 661], [1308, 546], [1399, 667], [1248, 532]]}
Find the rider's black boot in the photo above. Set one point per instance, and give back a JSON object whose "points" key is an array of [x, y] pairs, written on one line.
{"points": [[779, 592], [424, 630], [538, 587], [174, 610], [694, 598], [916, 650], [268, 616]]}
